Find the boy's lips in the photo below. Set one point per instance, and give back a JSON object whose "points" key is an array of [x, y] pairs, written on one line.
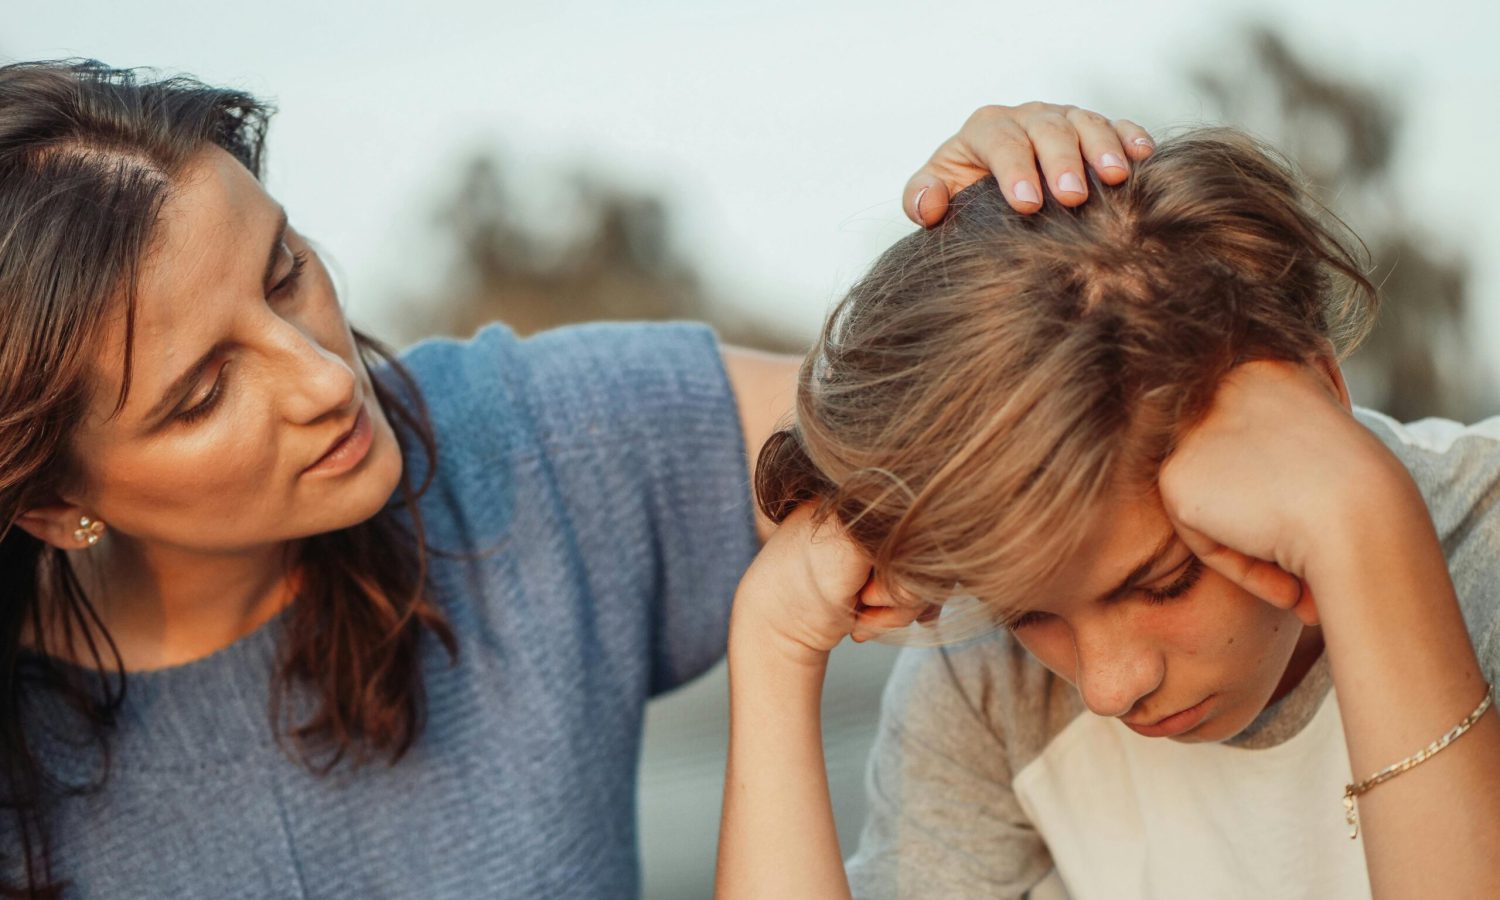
{"points": [[1176, 723]]}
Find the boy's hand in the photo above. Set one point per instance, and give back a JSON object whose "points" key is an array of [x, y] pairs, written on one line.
{"points": [[1009, 141], [1276, 478], [809, 587]]}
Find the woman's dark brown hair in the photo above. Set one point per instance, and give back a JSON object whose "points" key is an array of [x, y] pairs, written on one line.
{"points": [[88, 155], [977, 394]]}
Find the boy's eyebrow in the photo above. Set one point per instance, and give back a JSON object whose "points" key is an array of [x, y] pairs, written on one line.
{"points": [[1169, 540]]}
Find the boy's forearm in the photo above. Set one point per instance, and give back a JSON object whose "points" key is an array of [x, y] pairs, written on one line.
{"points": [[1406, 673], [777, 838]]}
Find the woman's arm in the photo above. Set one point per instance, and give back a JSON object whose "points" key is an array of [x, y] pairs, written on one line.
{"points": [[1283, 491], [765, 389]]}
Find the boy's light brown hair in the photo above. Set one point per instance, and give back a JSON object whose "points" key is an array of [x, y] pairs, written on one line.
{"points": [[982, 389]]}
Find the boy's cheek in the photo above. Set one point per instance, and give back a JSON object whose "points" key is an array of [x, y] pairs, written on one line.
{"points": [[1050, 644]]}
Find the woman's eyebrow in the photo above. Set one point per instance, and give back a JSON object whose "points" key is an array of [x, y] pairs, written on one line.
{"points": [[1168, 541], [274, 255]]}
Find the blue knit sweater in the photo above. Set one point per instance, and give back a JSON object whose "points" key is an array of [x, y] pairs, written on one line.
{"points": [[604, 465]]}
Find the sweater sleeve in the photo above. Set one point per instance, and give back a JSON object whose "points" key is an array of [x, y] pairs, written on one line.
{"points": [[645, 413], [608, 461], [943, 820]]}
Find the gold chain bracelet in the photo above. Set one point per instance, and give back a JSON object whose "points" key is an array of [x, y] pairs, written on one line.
{"points": [[1354, 790]]}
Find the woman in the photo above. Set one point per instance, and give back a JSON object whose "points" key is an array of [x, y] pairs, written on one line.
{"points": [[1227, 595], [534, 536]]}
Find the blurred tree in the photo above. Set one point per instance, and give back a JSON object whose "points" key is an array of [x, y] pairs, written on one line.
{"points": [[1421, 359], [611, 259]]}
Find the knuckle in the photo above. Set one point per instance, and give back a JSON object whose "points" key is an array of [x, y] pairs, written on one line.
{"points": [[1087, 117], [1014, 143], [989, 114], [1051, 124]]}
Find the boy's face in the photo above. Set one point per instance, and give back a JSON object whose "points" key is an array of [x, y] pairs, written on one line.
{"points": [[1178, 650]]}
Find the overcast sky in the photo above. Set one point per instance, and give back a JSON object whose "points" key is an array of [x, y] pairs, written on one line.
{"points": [[781, 133]]}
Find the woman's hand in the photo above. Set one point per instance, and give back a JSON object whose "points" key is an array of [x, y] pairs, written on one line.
{"points": [[1263, 487], [1009, 141], [809, 587]]}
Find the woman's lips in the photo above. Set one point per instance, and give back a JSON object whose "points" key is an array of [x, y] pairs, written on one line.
{"points": [[348, 452], [1177, 723]]}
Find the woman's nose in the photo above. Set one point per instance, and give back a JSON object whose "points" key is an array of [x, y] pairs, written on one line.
{"points": [[1115, 670], [317, 381]]}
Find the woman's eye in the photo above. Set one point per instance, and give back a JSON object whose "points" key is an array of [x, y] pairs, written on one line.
{"points": [[208, 404], [289, 282], [1178, 587]]}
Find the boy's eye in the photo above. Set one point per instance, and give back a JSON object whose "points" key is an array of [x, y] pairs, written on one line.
{"points": [[1192, 571], [1024, 620], [1181, 585]]}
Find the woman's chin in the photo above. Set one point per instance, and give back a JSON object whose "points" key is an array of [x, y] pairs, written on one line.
{"points": [[359, 494], [384, 470]]}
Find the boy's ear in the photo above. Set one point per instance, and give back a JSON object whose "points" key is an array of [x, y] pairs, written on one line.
{"points": [[1326, 362], [59, 525]]}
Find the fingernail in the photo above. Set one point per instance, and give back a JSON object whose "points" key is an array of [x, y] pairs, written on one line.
{"points": [[1026, 192], [1070, 184], [1144, 142], [916, 205], [1110, 161]]}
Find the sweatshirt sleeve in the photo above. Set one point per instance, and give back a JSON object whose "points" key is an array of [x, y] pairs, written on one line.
{"points": [[943, 820], [1457, 469]]}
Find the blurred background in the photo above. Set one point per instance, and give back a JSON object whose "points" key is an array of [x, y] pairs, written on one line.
{"points": [[742, 163]]}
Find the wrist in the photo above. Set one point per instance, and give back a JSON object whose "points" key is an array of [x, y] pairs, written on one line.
{"points": [[1380, 520], [774, 680], [755, 638]]}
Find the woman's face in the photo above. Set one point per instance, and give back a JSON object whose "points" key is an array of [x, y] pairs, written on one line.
{"points": [[1150, 635], [215, 457]]}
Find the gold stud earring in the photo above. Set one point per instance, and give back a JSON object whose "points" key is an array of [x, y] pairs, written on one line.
{"points": [[88, 531]]}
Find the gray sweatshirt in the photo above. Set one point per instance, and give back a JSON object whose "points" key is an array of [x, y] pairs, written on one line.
{"points": [[990, 779]]}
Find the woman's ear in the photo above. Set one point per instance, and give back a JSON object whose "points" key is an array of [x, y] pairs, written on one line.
{"points": [[1326, 363], [63, 526]]}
